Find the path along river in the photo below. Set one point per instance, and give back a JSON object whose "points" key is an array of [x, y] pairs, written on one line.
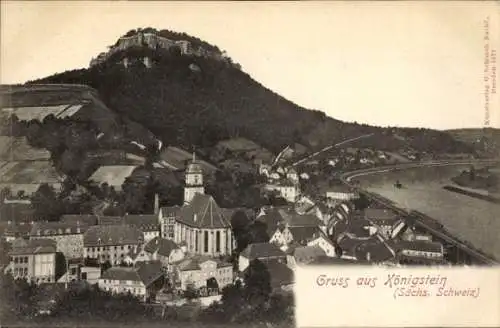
{"points": [[471, 219]]}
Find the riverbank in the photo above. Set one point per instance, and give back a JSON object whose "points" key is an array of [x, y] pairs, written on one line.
{"points": [[473, 193]]}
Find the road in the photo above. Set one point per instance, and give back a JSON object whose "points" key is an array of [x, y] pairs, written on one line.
{"points": [[421, 219], [330, 147]]}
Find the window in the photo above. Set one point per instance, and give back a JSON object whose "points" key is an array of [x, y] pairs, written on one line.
{"points": [[217, 241], [16, 260], [121, 247], [196, 241], [206, 242]]}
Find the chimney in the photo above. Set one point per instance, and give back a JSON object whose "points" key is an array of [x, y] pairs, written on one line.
{"points": [[157, 204]]}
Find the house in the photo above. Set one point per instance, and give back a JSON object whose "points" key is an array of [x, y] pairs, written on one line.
{"points": [[34, 260], [419, 252], [292, 175], [375, 250], [264, 252], [304, 255], [293, 219], [157, 249], [325, 244], [139, 281], [90, 274], [199, 222], [111, 242], [287, 190], [341, 192], [203, 272], [147, 223], [381, 218], [348, 243], [300, 235], [68, 236]]}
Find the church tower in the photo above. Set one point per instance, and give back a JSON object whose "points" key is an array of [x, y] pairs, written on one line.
{"points": [[194, 181]]}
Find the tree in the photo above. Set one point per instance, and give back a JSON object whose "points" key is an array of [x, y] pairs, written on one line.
{"points": [[105, 266], [258, 232], [45, 203], [190, 293], [6, 192], [239, 224], [257, 284]]}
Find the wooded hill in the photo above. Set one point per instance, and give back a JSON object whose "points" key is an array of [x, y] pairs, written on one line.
{"points": [[187, 100]]}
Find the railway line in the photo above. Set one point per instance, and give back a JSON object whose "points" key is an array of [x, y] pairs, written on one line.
{"points": [[466, 252]]}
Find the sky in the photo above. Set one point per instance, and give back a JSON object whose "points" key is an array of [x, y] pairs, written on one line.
{"points": [[418, 64]]}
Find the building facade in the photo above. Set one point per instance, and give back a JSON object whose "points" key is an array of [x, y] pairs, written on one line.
{"points": [[200, 272], [33, 260], [137, 281], [111, 243]]}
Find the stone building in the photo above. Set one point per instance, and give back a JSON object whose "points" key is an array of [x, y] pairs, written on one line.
{"points": [[67, 235]]}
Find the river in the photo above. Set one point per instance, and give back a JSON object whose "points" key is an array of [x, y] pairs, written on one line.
{"points": [[471, 219]]}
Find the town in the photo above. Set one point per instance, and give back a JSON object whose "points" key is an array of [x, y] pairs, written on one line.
{"points": [[132, 191], [196, 250]]}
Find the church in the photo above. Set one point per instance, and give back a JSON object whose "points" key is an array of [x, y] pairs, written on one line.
{"points": [[200, 224]]}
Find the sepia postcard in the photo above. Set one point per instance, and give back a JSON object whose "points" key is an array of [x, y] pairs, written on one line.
{"points": [[249, 164]]}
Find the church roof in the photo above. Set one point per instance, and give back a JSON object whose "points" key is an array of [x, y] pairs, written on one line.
{"points": [[203, 212]]}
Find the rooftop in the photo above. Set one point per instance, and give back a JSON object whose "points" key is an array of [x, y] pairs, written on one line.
{"points": [[203, 212], [419, 245], [57, 228], [194, 263], [262, 250], [112, 235], [146, 273], [35, 246], [380, 214], [163, 246]]}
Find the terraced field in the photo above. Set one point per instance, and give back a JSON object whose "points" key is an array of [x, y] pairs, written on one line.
{"points": [[18, 149]]}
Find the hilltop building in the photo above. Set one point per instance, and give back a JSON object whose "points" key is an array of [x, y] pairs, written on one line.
{"points": [[199, 223], [153, 40]]}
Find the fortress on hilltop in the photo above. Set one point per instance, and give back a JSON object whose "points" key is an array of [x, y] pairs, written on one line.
{"points": [[154, 40]]}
